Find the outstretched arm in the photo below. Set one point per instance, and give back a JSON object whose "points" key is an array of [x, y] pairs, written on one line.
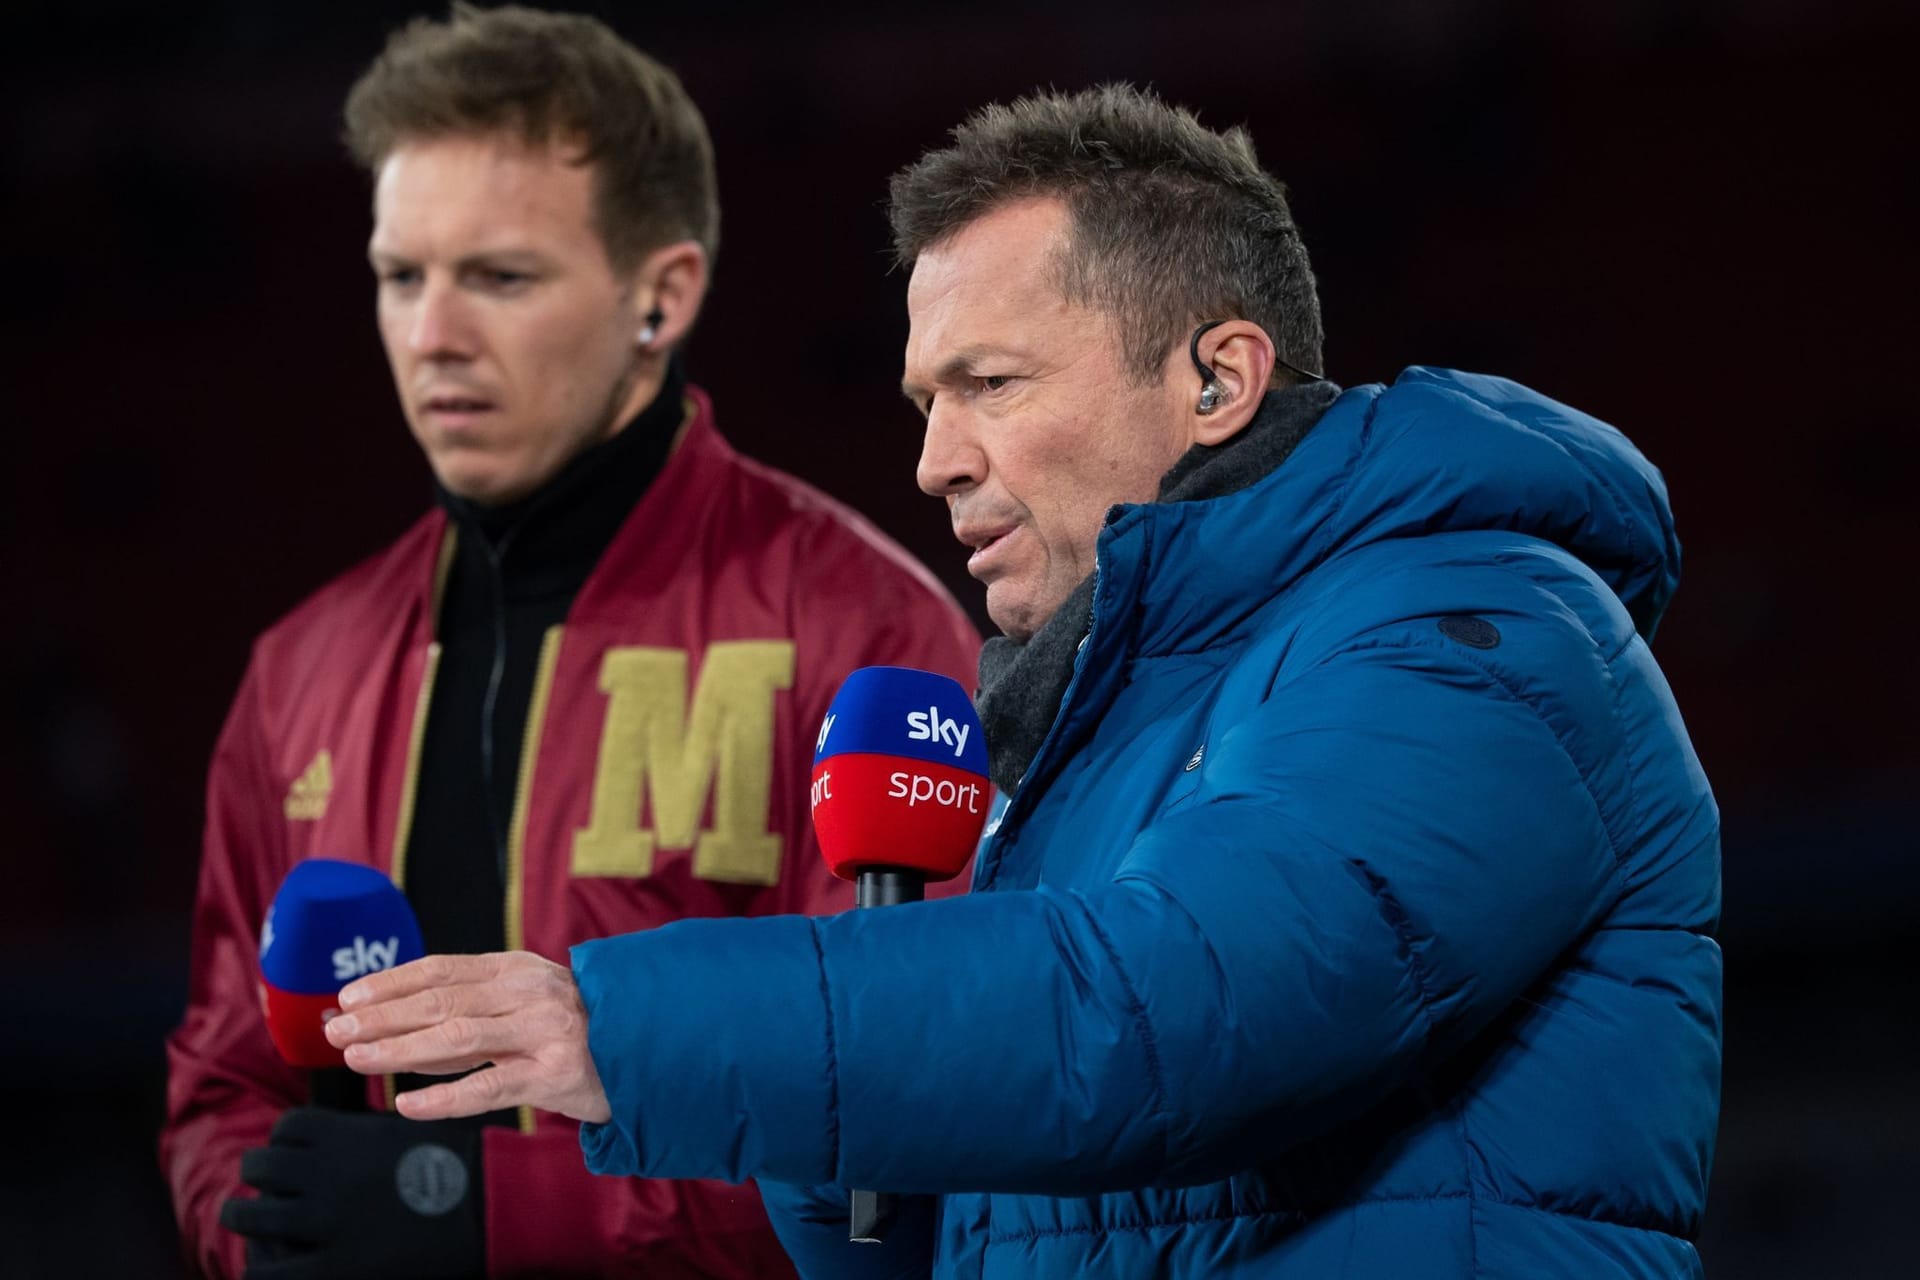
{"points": [[1267, 962]]}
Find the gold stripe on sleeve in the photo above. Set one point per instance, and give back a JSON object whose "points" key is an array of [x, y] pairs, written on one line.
{"points": [[523, 787], [417, 734], [409, 785], [410, 782]]}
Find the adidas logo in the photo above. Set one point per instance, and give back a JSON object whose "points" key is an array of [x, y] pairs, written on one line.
{"points": [[307, 797]]}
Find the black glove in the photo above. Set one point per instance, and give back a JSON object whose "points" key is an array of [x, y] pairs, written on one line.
{"points": [[363, 1196]]}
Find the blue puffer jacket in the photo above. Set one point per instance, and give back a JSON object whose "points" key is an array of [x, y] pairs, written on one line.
{"points": [[1353, 921]]}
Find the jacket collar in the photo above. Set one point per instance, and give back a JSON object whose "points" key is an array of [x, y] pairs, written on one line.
{"points": [[1022, 684], [551, 540], [1439, 451]]}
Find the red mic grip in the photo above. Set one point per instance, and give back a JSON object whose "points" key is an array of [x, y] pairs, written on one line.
{"points": [[884, 810]]}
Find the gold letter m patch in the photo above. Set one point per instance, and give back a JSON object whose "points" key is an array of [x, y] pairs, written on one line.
{"points": [[722, 745]]}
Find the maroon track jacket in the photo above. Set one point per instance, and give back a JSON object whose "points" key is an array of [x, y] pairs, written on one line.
{"points": [[664, 775]]}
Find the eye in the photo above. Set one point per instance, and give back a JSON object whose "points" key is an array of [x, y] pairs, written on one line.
{"points": [[995, 381], [400, 277], [502, 280]]}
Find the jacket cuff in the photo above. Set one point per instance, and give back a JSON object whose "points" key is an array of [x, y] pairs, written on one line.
{"points": [[607, 1151], [713, 1041]]}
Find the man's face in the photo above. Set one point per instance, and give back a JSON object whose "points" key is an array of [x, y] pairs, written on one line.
{"points": [[1033, 427], [510, 334]]}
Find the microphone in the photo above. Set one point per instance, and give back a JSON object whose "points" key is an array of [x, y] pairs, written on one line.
{"points": [[900, 794], [330, 922]]}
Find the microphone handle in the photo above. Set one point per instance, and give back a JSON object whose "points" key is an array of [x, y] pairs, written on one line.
{"points": [[338, 1089], [888, 886], [872, 1211]]}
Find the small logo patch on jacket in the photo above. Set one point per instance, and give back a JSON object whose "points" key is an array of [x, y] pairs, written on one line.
{"points": [[307, 797], [1193, 761], [1475, 633]]}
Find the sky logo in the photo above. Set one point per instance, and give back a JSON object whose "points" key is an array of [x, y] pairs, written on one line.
{"points": [[826, 727], [364, 957], [928, 726]]}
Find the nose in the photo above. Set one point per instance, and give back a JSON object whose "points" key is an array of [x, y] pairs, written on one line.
{"points": [[439, 327], [951, 460]]}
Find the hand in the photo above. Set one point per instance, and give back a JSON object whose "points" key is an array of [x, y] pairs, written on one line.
{"points": [[445, 1014], [363, 1196]]}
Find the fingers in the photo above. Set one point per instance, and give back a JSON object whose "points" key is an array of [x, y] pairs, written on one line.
{"points": [[292, 1129], [513, 1084], [420, 975], [435, 1006], [568, 1087], [527, 1005], [438, 989], [461, 1044], [458, 1044], [273, 1169], [308, 1126], [271, 1218]]}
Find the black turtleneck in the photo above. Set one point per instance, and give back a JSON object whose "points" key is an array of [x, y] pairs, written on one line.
{"points": [[516, 570]]}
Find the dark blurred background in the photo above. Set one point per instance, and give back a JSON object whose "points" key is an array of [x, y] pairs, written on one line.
{"points": [[1694, 220]]}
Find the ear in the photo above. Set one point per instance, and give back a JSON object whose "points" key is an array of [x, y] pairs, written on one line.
{"points": [[1241, 356], [673, 281]]}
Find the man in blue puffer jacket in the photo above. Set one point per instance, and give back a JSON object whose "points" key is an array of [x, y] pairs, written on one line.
{"points": [[1352, 913]]}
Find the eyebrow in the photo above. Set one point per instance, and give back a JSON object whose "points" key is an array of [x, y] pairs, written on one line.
{"points": [[955, 366], [529, 257]]}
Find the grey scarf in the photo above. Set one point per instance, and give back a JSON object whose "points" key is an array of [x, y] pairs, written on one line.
{"points": [[1021, 684]]}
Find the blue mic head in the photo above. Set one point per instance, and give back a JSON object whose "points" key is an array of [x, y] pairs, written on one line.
{"points": [[330, 923], [900, 711]]}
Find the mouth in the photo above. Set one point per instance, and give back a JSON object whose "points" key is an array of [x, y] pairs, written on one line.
{"points": [[455, 409], [988, 543]]}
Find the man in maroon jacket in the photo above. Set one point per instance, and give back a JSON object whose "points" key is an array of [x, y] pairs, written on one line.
{"points": [[578, 698]]}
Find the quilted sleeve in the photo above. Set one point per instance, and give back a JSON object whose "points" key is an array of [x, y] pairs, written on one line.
{"points": [[1376, 865]]}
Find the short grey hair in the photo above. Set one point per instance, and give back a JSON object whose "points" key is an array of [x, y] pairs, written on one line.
{"points": [[1173, 223]]}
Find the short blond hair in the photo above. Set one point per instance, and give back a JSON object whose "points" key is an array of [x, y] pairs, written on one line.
{"points": [[547, 78]]}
